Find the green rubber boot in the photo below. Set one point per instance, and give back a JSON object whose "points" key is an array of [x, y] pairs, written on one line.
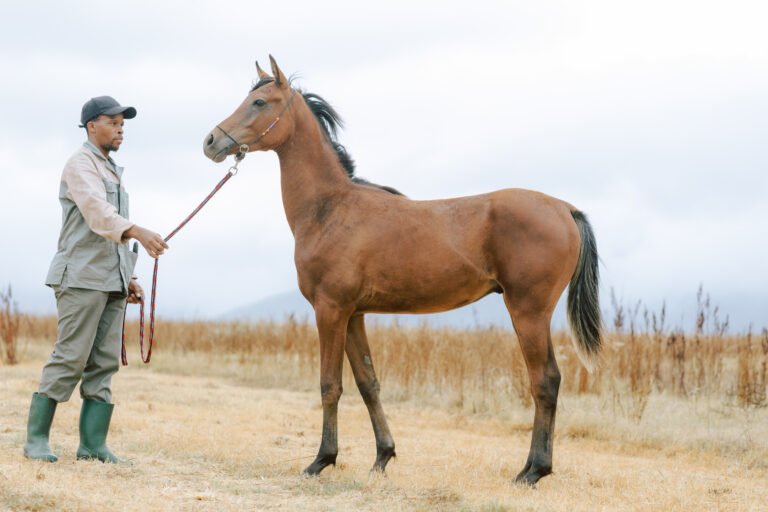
{"points": [[41, 413], [94, 425]]}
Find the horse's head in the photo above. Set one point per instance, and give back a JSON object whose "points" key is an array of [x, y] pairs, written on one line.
{"points": [[261, 122]]}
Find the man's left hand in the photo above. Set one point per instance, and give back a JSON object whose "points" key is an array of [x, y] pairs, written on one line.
{"points": [[135, 292]]}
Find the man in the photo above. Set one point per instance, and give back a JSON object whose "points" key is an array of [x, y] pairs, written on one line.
{"points": [[92, 276]]}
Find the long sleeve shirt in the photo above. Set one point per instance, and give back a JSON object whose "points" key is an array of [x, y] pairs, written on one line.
{"points": [[92, 252], [86, 175]]}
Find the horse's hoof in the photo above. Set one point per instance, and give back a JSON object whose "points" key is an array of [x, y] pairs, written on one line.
{"points": [[382, 459], [529, 478], [524, 482], [319, 464]]}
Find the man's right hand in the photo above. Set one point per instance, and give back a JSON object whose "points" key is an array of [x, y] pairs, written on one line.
{"points": [[151, 241]]}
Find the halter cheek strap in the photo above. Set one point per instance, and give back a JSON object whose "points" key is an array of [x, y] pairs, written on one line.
{"points": [[244, 148]]}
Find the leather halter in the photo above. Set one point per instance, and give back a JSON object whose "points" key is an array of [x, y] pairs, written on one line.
{"points": [[244, 148]]}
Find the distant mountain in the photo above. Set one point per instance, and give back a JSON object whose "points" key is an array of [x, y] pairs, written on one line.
{"points": [[745, 311], [488, 311]]}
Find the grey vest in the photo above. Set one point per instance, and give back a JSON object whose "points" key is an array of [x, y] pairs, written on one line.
{"points": [[85, 259]]}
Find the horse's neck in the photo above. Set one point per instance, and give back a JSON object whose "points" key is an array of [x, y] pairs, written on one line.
{"points": [[310, 171]]}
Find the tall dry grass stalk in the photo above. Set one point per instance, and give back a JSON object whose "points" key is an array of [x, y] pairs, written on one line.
{"points": [[752, 363], [10, 322], [479, 370]]}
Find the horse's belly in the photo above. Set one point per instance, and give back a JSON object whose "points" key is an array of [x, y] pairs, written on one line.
{"points": [[431, 293]]}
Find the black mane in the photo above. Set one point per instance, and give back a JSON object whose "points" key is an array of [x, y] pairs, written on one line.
{"points": [[263, 81], [331, 121]]}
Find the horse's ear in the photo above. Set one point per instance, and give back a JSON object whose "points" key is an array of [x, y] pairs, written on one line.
{"points": [[280, 79], [262, 74]]}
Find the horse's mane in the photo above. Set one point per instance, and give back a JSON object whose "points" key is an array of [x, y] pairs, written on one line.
{"points": [[263, 81], [330, 121]]}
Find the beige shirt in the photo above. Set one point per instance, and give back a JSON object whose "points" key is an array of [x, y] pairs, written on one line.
{"points": [[84, 175], [92, 253]]}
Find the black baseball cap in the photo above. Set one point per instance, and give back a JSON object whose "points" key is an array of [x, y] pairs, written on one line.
{"points": [[106, 105]]}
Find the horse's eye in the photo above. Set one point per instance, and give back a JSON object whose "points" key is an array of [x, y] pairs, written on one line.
{"points": [[259, 103]]}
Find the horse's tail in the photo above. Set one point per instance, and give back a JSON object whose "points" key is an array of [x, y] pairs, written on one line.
{"points": [[583, 300]]}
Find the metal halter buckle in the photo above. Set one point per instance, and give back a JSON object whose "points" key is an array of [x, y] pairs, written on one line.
{"points": [[241, 152]]}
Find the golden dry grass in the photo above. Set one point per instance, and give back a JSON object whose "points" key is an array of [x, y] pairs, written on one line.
{"points": [[227, 415]]}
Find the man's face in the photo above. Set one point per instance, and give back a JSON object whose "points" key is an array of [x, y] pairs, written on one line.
{"points": [[106, 132]]}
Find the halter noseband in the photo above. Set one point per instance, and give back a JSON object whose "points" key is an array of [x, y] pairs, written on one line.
{"points": [[244, 148]]}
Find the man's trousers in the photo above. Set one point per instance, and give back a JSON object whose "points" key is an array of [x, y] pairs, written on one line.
{"points": [[88, 346]]}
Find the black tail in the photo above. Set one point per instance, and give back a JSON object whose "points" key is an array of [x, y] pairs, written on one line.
{"points": [[583, 296]]}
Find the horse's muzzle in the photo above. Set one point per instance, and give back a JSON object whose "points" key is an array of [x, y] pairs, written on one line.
{"points": [[215, 149]]}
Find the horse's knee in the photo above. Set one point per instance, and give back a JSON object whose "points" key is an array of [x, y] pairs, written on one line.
{"points": [[369, 390], [330, 393]]}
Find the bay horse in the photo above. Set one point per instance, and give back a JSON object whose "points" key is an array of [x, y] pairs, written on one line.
{"points": [[363, 248]]}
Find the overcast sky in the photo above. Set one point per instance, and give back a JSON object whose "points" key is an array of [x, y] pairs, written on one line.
{"points": [[649, 116]]}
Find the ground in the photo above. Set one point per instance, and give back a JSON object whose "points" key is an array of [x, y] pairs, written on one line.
{"points": [[212, 443]]}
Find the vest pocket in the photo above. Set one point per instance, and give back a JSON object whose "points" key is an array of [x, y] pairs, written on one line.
{"points": [[123, 199], [113, 193]]}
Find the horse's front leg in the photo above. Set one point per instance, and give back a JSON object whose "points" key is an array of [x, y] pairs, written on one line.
{"points": [[332, 329], [359, 356]]}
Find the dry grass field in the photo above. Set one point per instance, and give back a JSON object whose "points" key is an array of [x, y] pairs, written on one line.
{"points": [[227, 415]]}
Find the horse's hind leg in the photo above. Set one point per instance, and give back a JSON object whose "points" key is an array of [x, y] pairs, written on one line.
{"points": [[533, 332], [362, 367], [332, 329]]}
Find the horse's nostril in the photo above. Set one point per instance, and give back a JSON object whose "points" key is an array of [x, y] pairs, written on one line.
{"points": [[210, 140]]}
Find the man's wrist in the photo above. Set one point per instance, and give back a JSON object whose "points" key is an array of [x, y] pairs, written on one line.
{"points": [[129, 233]]}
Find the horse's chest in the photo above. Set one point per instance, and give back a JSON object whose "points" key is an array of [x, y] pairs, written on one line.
{"points": [[324, 261]]}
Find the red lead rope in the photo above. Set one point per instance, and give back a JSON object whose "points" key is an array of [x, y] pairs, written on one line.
{"points": [[232, 171]]}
